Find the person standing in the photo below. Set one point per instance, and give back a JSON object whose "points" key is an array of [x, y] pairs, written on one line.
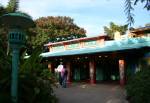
{"points": [[64, 78], [60, 70]]}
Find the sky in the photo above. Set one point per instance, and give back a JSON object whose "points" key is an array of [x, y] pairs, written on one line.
{"points": [[92, 15]]}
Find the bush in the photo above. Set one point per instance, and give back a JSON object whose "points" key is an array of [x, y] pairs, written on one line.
{"points": [[138, 87], [5, 73], [35, 81]]}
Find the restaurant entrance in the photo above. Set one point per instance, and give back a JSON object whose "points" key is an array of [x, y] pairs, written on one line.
{"points": [[107, 69], [80, 71]]}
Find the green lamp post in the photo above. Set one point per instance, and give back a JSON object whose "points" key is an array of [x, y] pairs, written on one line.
{"points": [[17, 23]]}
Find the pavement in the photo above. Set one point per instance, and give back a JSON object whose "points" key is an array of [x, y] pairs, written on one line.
{"points": [[87, 93]]}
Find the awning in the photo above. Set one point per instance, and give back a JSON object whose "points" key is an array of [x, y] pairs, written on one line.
{"points": [[110, 46]]}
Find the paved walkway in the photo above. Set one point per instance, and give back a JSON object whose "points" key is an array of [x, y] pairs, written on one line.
{"points": [[86, 93]]}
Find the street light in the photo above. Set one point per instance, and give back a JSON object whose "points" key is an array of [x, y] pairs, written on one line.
{"points": [[17, 23]]}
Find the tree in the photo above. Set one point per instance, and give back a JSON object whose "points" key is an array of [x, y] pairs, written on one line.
{"points": [[12, 6], [5, 73], [35, 81], [148, 24], [54, 29], [113, 28], [129, 8], [138, 87], [2, 10]]}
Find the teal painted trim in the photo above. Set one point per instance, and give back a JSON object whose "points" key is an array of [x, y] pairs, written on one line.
{"points": [[16, 36], [19, 14], [58, 48], [90, 43], [110, 46], [73, 46], [14, 82]]}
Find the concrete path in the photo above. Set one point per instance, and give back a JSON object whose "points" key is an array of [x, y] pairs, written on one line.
{"points": [[86, 93]]}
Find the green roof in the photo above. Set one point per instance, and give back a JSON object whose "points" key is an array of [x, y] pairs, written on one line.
{"points": [[110, 46]]}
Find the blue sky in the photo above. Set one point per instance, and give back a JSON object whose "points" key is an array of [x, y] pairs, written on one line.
{"points": [[92, 15]]}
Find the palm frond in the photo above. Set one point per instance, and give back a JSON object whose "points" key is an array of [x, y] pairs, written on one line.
{"points": [[147, 3], [128, 10], [136, 1]]}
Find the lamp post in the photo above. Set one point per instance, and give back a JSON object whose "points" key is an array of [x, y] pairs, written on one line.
{"points": [[17, 23]]}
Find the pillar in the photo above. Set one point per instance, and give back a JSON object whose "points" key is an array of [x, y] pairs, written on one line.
{"points": [[69, 72], [14, 76], [92, 72], [122, 72], [50, 67]]}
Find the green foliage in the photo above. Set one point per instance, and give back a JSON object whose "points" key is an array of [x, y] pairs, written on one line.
{"points": [[113, 28], [5, 63], [138, 87], [12, 6], [129, 8], [5, 73], [2, 10], [54, 29], [148, 24], [36, 81]]}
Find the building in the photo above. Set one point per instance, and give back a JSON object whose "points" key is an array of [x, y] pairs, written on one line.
{"points": [[140, 32], [98, 59]]}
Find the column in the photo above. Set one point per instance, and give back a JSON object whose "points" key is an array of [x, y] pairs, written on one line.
{"points": [[14, 75], [69, 72], [92, 72], [122, 72], [50, 67]]}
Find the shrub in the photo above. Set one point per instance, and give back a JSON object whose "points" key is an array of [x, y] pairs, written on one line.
{"points": [[138, 87], [5, 73], [35, 81]]}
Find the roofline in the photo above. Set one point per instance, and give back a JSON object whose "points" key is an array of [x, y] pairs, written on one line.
{"points": [[76, 40], [110, 46], [140, 29]]}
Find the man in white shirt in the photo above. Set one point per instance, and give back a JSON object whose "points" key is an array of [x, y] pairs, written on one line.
{"points": [[60, 67], [59, 70]]}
